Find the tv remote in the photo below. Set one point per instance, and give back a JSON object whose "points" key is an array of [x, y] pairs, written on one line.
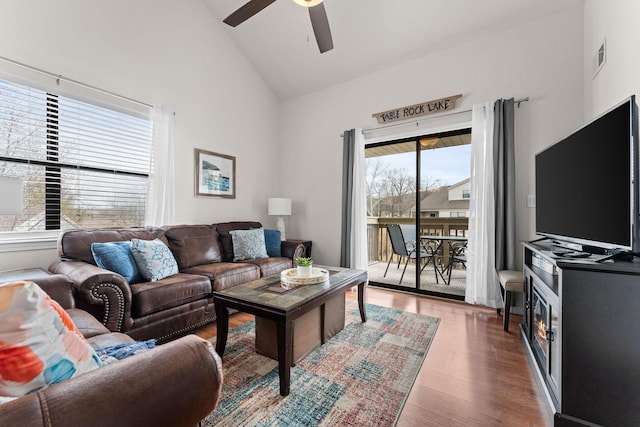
{"points": [[577, 254]]}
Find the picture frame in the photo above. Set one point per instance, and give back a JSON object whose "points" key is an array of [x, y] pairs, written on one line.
{"points": [[215, 174]]}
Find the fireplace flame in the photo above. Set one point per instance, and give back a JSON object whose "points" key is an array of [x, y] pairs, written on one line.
{"points": [[541, 335], [542, 332]]}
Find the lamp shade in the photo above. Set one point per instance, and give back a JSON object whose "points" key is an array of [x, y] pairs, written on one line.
{"points": [[279, 206], [10, 196]]}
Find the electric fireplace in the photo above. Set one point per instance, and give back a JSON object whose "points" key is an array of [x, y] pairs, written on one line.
{"points": [[541, 332], [580, 331], [544, 339]]}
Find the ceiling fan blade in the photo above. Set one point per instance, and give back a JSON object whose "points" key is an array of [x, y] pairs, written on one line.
{"points": [[246, 12], [321, 28]]}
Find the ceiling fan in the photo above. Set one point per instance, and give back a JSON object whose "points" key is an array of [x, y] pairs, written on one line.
{"points": [[318, 16]]}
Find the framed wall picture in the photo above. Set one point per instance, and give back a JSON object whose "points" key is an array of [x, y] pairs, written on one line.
{"points": [[215, 174]]}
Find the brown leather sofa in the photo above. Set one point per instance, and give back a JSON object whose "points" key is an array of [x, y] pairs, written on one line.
{"points": [[174, 384], [172, 306]]}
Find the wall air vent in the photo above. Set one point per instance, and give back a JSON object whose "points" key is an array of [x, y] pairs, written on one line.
{"points": [[599, 58]]}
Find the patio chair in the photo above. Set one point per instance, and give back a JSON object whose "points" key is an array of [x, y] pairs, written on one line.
{"points": [[457, 255], [407, 249]]}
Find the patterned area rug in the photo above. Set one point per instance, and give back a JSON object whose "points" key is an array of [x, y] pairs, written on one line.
{"points": [[361, 376]]}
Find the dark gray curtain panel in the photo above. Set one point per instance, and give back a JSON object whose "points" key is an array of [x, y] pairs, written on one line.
{"points": [[505, 183], [348, 153]]}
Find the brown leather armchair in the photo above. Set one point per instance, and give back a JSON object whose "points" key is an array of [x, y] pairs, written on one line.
{"points": [[174, 384]]}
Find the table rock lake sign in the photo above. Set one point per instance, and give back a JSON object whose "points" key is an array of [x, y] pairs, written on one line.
{"points": [[417, 110]]}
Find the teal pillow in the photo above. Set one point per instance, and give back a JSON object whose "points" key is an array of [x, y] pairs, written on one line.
{"points": [[272, 240], [117, 257], [248, 244], [154, 259]]}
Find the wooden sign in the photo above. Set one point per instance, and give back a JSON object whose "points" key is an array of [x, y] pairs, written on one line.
{"points": [[417, 110]]}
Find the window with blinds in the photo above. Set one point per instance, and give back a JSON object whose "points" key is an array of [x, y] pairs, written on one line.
{"points": [[82, 165]]}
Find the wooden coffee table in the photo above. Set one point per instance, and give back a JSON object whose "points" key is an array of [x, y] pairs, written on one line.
{"points": [[267, 299]]}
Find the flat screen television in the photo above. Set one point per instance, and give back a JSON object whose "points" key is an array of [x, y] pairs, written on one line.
{"points": [[587, 185]]}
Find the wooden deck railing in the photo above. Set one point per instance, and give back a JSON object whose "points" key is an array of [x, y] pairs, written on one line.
{"points": [[379, 246]]}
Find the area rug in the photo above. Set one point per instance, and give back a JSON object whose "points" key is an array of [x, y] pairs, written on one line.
{"points": [[361, 376]]}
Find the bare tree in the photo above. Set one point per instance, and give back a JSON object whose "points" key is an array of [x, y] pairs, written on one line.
{"points": [[401, 184], [429, 184], [374, 170], [391, 192]]}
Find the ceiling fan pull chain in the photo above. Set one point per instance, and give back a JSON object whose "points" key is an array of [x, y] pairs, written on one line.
{"points": [[308, 32]]}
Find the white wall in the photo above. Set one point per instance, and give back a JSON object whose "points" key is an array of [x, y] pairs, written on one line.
{"points": [[542, 60], [161, 52], [617, 22]]}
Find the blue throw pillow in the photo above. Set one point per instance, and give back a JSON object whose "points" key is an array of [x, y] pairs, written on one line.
{"points": [[117, 257], [272, 242]]}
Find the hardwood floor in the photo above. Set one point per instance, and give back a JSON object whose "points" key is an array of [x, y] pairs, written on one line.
{"points": [[475, 373]]}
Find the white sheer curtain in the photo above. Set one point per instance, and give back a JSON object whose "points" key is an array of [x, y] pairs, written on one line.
{"points": [[482, 281], [161, 199]]}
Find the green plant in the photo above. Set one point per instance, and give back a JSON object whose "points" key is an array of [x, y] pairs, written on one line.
{"points": [[304, 261]]}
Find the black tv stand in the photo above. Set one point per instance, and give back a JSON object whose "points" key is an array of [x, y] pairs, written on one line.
{"points": [[580, 333]]}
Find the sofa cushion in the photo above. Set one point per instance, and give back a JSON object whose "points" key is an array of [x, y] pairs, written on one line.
{"points": [[39, 344], [225, 275], [154, 259], [173, 291], [272, 242], [117, 257], [88, 325], [194, 244], [224, 228], [248, 244], [271, 265]]}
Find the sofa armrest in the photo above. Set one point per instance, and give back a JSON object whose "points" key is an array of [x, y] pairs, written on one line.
{"points": [[59, 287], [292, 249], [103, 293], [175, 384]]}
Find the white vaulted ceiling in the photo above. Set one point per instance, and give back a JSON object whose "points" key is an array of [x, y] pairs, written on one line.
{"points": [[368, 35]]}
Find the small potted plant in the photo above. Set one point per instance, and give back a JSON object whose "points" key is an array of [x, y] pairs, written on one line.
{"points": [[304, 265]]}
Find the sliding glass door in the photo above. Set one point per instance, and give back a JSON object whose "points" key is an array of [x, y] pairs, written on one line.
{"points": [[417, 207]]}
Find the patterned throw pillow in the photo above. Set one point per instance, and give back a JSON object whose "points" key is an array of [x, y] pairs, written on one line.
{"points": [[155, 260], [39, 344], [117, 257], [248, 244]]}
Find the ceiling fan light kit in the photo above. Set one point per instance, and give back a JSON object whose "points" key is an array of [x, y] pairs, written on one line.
{"points": [[317, 13], [308, 3]]}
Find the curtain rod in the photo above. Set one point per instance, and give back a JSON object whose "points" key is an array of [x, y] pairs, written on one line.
{"points": [[59, 77], [517, 102]]}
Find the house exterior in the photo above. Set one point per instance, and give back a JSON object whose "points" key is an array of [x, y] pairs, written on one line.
{"points": [[450, 201]]}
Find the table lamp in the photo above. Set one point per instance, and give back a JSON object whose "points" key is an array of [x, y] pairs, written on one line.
{"points": [[279, 206], [10, 196]]}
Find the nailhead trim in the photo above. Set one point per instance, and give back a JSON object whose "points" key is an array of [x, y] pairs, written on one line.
{"points": [[96, 293], [188, 328]]}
